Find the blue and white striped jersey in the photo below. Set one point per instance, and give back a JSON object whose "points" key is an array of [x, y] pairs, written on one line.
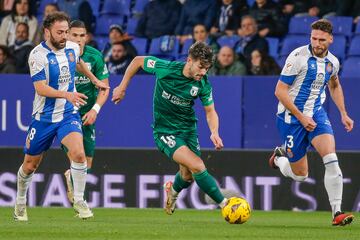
{"points": [[307, 76], [58, 69]]}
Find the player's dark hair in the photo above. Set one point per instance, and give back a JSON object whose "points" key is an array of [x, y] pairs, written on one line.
{"points": [[201, 51], [322, 25], [55, 17], [77, 24]]}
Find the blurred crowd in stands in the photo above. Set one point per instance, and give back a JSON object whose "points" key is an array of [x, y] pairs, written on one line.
{"points": [[249, 37]]}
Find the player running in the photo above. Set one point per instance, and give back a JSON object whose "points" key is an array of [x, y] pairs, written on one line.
{"points": [[301, 119], [178, 84], [95, 99]]}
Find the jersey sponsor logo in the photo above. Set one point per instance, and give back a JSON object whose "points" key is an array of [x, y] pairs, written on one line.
{"points": [[175, 100], [194, 91], [319, 82], [312, 66], [151, 63], [65, 75], [166, 95], [52, 61], [81, 80]]}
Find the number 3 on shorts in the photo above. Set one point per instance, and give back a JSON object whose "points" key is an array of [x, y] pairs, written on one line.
{"points": [[289, 141]]}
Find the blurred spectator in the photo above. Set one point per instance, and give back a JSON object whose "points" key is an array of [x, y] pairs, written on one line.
{"points": [[21, 48], [19, 13], [119, 59], [249, 40], [195, 12], [314, 8], [263, 64], [349, 8], [201, 34], [158, 19], [116, 34], [80, 10], [228, 17], [268, 18], [6, 63], [5, 7], [49, 9], [226, 64]]}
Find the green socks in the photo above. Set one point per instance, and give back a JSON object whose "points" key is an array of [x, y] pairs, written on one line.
{"points": [[207, 184], [179, 183]]}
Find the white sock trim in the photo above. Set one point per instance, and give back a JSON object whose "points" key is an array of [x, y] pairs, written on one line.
{"points": [[330, 158]]}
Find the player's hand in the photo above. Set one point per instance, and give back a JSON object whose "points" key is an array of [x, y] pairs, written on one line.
{"points": [[308, 123], [215, 138], [348, 122], [77, 99], [118, 94], [101, 85], [89, 118]]}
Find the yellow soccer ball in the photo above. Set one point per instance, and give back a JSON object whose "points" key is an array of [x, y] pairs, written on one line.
{"points": [[236, 211]]}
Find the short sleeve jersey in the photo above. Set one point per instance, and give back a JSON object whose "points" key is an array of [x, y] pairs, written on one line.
{"points": [[95, 62], [307, 77], [57, 68], [174, 96]]}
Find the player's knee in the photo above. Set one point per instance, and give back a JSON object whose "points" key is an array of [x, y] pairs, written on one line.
{"points": [[198, 167], [188, 177], [30, 166], [77, 156]]}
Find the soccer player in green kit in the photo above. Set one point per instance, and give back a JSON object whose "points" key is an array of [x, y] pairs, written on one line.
{"points": [[178, 84], [95, 62]]}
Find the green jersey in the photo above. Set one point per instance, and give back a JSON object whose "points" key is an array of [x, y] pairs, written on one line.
{"points": [[174, 96], [95, 62]]}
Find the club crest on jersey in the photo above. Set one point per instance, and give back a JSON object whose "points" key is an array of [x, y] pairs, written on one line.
{"points": [[289, 153], [71, 57], [329, 68], [194, 91]]}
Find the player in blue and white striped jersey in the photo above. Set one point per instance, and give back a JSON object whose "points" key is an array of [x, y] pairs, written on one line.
{"points": [[301, 119], [52, 69]]}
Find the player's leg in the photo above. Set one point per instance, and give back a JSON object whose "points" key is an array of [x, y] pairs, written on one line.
{"points": [[183, 180], [294, 163], [333, 178], [70, 135], [24, 178], [187, 158]]}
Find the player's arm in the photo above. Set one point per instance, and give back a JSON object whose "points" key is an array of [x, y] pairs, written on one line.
{"points": [[282, 93], [90, 117], [78, 99], [131, 70], [213, 123], [82, 68], [337, 96]]}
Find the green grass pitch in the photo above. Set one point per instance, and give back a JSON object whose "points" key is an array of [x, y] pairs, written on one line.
{"points": [[60, 223]]}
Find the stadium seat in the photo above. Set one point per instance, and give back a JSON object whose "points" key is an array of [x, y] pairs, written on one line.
{"points": [[350, 67], [341, 25], [228, 41], [131, 26], [338, 47], [301, 25], [139, 6], [118, 7], [141, 45], [104, 22], [357, 29], [281, 61], [159, 46], [291, 42], [95, 6], [101, 41], [354, 49], [273, 46]]}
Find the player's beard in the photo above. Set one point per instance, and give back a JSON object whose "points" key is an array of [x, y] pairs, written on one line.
{"points": [[319, 52], [57, 44], [194, 75]]}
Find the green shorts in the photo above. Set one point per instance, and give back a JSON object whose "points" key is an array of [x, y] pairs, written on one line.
{"points": [[88, 140], [169, 143]]}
